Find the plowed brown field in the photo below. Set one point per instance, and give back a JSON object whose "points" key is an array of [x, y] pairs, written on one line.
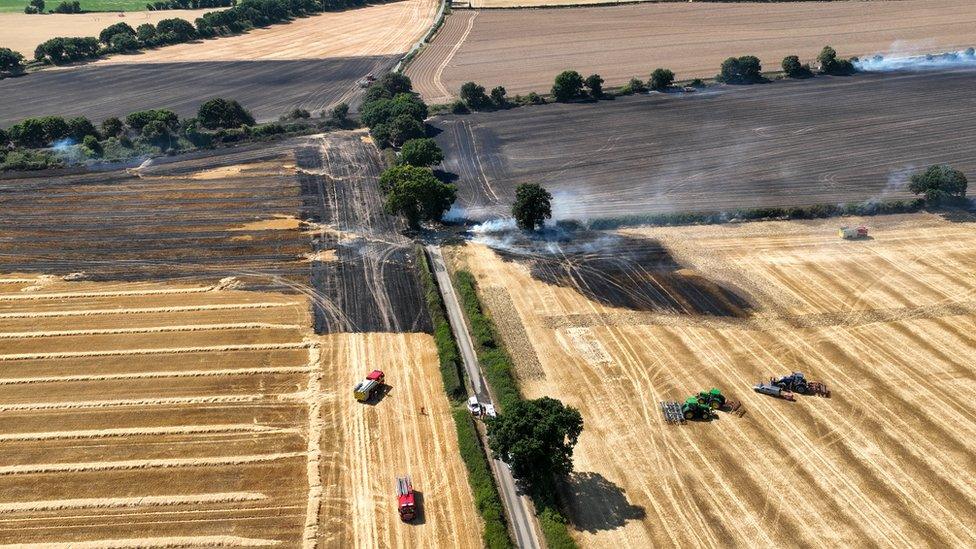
{"points": [[888, 323], [524, 49]]}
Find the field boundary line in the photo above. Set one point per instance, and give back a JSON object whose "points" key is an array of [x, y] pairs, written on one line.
{"points": [[151, 330], [125, 402], [154, 375], [313, 451], [138, 310], [150, 543], [118, 293], [140, 501], [134, 464], [160, 351], [143, 431]]}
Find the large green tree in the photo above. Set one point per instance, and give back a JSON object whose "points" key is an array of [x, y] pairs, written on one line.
{"points": [[532, 207], [416, 194], [794, 69], [939, 183], [536, 439], [741, 70], [11, 61], [567, 86], [594, 83], [421, 153], [661, 79], [223, 113], [474, 96], [830, 64]]}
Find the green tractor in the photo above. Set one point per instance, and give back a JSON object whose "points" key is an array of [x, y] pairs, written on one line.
{"points": [[714, 399], [693, 409]]}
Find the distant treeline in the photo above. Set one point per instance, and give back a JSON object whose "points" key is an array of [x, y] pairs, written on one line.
{"points": [[190, 4]]}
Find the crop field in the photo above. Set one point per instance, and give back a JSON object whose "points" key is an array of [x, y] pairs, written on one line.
{"points": [[523, 50], [788, 143], [179, 370], [311, 63], [613, 323], [22, 32]]}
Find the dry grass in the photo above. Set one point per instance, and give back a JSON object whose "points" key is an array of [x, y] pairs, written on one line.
{"points": [[888, 323], [22, 32], [410, 431], [381, 29], [147, 423], [524, 49]]}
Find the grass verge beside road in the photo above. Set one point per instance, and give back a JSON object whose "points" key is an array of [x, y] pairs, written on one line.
{"points": [[486, 498], [500, 373]]}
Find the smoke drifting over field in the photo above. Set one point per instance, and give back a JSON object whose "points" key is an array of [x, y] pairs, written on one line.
{"points": [[903, 62]]}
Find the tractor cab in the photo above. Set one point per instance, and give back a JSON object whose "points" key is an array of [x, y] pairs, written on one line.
{"points": [[694, 409], [714, 399]]}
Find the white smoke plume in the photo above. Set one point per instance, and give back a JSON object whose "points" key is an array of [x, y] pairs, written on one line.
{"points": [[900, 61]]}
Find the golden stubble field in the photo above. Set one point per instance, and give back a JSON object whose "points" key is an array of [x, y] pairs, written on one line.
{"points": [[381, 29], [523, 50], [202, 411], [888, 323], [21, 32]]}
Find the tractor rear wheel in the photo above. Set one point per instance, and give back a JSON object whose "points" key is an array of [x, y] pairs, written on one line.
{"points": [[801, 388], [714, 405], [689, 415]]}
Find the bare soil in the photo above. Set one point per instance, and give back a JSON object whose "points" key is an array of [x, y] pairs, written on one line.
{"points": [[523, 50], [886, 322], [831, 140]]}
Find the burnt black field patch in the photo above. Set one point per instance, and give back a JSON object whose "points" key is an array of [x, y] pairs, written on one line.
{"points": [[620, 271], [268, 89], [366, 276]]}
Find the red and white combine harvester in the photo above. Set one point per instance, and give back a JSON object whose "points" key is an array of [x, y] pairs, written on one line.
{"points": [[406, 499]]}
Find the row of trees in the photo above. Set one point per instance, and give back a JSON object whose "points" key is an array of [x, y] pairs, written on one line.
{"points": [[189, 4], [827, 59], [11, 62], [395, 116]]}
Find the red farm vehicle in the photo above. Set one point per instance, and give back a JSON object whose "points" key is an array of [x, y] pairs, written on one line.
{"points": [[406, 499]]}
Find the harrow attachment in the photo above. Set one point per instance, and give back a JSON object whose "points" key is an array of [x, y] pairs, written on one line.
{"points": [[818, 388], [672, 412]]}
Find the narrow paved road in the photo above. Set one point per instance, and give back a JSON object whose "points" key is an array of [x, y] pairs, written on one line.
{"points": [[518, 507]]}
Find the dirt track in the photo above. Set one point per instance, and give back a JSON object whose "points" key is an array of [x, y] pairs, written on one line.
{"points": [[887, 323], [794, 143], [524, 49]]}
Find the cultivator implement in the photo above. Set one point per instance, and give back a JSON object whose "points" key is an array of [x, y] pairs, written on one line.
{"points": [[818, 388], [734, 407], [672, 412]]}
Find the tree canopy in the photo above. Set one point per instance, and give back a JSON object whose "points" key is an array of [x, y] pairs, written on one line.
{"points": [[416, 194], [939, 183], [11, 61], [794, 69], [830, 64], [567, 86], [421, 153], [741, 70], [532, 207], [536, 438], [661, 79], [223, 113], [474, 96]]}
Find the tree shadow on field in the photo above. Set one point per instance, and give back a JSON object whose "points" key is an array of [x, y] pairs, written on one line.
{"points": [[597, 504]]}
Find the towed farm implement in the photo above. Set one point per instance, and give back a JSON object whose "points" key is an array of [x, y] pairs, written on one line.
{"points": [[702, 406]]}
